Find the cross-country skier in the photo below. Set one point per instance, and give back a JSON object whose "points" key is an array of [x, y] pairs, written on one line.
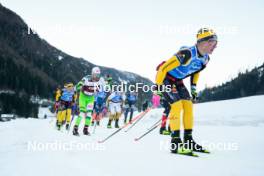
{"points": [[131, 99], [89, 86], [188, 61], [99, 104], [115, 103], [66, 101], [155, 100]]}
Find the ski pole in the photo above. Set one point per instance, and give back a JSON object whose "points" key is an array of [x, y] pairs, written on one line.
{"points": [[95, 123], [94, 127], [147, 132], [138, 120], [124, 126], [70, 123], [154, 124]]}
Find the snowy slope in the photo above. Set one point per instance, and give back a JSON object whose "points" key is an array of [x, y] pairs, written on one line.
{"points": [[45, 111], [235, 126]]}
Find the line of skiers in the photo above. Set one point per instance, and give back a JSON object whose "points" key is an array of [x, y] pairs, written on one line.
{"points": [[89, 100]]}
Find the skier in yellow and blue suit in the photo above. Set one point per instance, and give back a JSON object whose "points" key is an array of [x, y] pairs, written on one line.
{"points": [[65, 105], [189, 61]]}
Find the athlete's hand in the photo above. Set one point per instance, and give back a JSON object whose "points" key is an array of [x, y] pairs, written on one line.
{"points": [[194, 93]]}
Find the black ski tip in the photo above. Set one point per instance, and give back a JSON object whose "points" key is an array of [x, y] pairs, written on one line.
{"points": [[187, 154], [203, 151]]}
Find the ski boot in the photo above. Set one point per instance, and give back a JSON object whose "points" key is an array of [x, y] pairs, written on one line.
{"points": [[130, 120], [75, 131], [163, 131], [191, 144], [67, 127], [116, 124], [85, 130], [59, 126], [177, 147], [169, 129], [109, 124]]}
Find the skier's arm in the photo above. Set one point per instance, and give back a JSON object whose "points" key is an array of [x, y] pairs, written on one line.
{"points": [[172, 63], [182, 57], [58, 95], [195, 78]]}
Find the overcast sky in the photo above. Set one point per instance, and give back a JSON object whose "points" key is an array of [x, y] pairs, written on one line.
{"points": [[137, 35]]}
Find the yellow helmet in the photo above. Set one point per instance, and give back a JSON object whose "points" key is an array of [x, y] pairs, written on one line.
{"points": [[68, 85], [205, 34]]}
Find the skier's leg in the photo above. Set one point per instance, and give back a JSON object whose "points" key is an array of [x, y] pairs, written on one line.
{"points": [[112, 114], [94, 113], [100, 114], [187, 114], [131, 113], [99, 117], [93, 117], [58, 113], [174, 99], [82, 113], [58, 118], [126, 113], [68, 117], [118, 114], [115, 116], [61, 115], [167, 111], [88, 118], [64, 111], [89, 107], [163, 125], [175, 116], [188, 126], [111, 118], [188, 120]]}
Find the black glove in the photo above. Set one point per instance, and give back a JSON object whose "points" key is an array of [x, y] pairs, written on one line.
{"points": [[194, 93]]}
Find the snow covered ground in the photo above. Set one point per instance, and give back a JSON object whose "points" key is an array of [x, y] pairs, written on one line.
{"points": [[231, 129]]}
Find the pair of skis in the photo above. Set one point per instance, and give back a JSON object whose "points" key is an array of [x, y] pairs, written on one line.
{"points": [[193, 153]]}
